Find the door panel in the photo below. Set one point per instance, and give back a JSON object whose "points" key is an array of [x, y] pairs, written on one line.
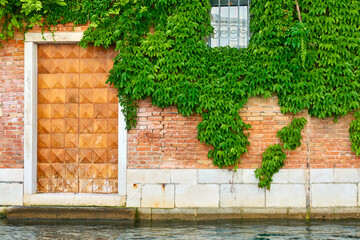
{"points": [[77, 120]]}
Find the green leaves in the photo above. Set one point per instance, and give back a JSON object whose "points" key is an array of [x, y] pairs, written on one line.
{"points": [[224, 131], [30, 5], [354, 131], [311, 65], [22, 15], [290, 135], [274, 158]]}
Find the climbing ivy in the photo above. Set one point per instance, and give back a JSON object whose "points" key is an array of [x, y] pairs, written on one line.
{"points": [[354, 131], [22, 15], [306, 53], [290, 135], [274, 157]]}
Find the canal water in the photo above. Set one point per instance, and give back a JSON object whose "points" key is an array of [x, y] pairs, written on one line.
{"points": [[239, 229]]}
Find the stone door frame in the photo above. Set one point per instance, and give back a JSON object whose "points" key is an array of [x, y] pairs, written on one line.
{"points": [[30, 134]]}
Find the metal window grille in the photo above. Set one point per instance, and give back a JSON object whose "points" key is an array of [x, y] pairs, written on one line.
{"points": [[230, 19]]}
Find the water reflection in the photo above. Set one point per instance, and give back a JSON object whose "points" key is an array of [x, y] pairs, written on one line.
{"points": [[239, 229]]}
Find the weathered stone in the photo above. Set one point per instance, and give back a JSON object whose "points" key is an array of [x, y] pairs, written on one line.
{"points": [[346, 175], [219, 176], [70, 213], [3, 212], [281, 176], [322, 213], [289, 176], [12, 175], [297, 213], [264, 213], [58, 37], [346, 213], [333, 195], [202, 195], [144, 213], [175, 213], [286, 195], [243, 195], [157, 196], [218, 213], [133, 195], [184, 176], [321, 175], [359, 195], [146, 176], [335, 213], [11, 194], [70, 199], [249, 176], [296, 175]]}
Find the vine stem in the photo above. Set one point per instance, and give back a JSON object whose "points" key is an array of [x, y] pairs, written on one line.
{"points": [[298, 10], [299, 16]]}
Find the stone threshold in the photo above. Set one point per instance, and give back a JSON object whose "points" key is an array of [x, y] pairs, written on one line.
{"points": [[194, 214], [74, 213]]}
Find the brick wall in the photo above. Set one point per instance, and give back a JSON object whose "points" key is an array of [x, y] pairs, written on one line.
{"points": [[12, 103], [330, 146], [165, 139]]}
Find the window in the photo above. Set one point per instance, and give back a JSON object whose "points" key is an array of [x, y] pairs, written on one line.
{"points": [[230, 19]]}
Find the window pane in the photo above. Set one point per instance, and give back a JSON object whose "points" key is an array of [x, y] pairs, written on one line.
{"points": [[230, 22], [234, 26], [224, 22], [214, 38]]}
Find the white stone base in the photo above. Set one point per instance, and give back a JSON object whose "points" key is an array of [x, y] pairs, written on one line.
{"points": [[11, 194], [205, 188], [216, 188], [199, 195], [245, 195], [11, 187]]}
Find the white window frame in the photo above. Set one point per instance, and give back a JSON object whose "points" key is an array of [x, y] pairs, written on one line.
{"points": [[31, 197]]}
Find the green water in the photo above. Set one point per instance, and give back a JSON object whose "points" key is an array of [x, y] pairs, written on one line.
{"points": [[244, 229]]}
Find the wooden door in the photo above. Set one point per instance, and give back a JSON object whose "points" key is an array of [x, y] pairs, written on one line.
{"points": [[77, 120]]}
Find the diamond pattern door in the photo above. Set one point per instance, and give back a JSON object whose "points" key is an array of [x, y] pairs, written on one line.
{"points": [[77, 120]]}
